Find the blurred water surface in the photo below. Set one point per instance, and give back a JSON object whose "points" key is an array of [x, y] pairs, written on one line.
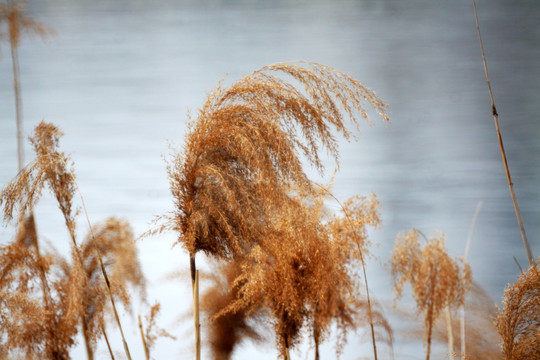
{"points": [[120, 76]]}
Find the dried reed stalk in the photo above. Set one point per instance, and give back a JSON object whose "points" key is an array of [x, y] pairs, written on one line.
{"points": [[196, 316], [526, 245], [449, 332], [13, 14], [466, 254], [143, 339], [107, 342]]}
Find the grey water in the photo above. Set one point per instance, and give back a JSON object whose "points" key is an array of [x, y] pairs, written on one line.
{"points": [[120, 77]]}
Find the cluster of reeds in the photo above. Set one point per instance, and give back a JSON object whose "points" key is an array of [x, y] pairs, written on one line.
{"points": [[46, 299], [242, 198]]}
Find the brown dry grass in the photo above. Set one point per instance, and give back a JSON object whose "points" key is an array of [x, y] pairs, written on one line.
{"points": [[76, 292], [303, 273], [481, 333], [242, 156], [242, 152], [436, 279], [518, 322]]}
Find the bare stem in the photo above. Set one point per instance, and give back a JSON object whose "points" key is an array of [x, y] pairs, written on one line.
{"points": [[89, 350], [196, 318], [143, 338], [526, 244], [449, 332], [18, 103], [467, 247], [107, 341]]}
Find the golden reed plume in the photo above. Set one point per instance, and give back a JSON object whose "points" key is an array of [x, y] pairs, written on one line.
{"points": [[518, 322], [242, 155], [436, 279]]}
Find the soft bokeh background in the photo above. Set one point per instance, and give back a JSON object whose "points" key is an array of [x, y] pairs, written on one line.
{"points": [[120, 76]]}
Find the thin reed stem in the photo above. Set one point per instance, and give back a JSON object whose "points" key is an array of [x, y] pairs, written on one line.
{"points": [[89, 351], [430, 321], [17, 92], [196, 317], [316, 339], [526, 244], [143, 338], [467, 248], [107, 341], [18, 104], [449, 332]]}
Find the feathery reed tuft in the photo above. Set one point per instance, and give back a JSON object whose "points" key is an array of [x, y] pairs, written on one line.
{"points": [[51, 167], [245, 146], [436, 279], [242, 156], [518, 322], [115, 242]]}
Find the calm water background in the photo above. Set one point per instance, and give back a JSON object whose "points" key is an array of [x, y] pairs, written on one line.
{"points": [[120, 76]]}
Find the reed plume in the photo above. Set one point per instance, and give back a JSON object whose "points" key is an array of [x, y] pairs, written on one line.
{"points": [[304, 276], [30, 325], [436, 279], [285, 273], [349, 240], [51, 167], [518, 322], [245, 145], [116, 244], [242, 153]]}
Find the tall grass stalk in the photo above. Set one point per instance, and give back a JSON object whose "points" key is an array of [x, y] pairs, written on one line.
{"points": [[467, 248], [143, 339], [107, 342], [526, 244], [449, 331], [17, 22], [196, 316], [12, 28], [18, 105], [370, 312]]}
